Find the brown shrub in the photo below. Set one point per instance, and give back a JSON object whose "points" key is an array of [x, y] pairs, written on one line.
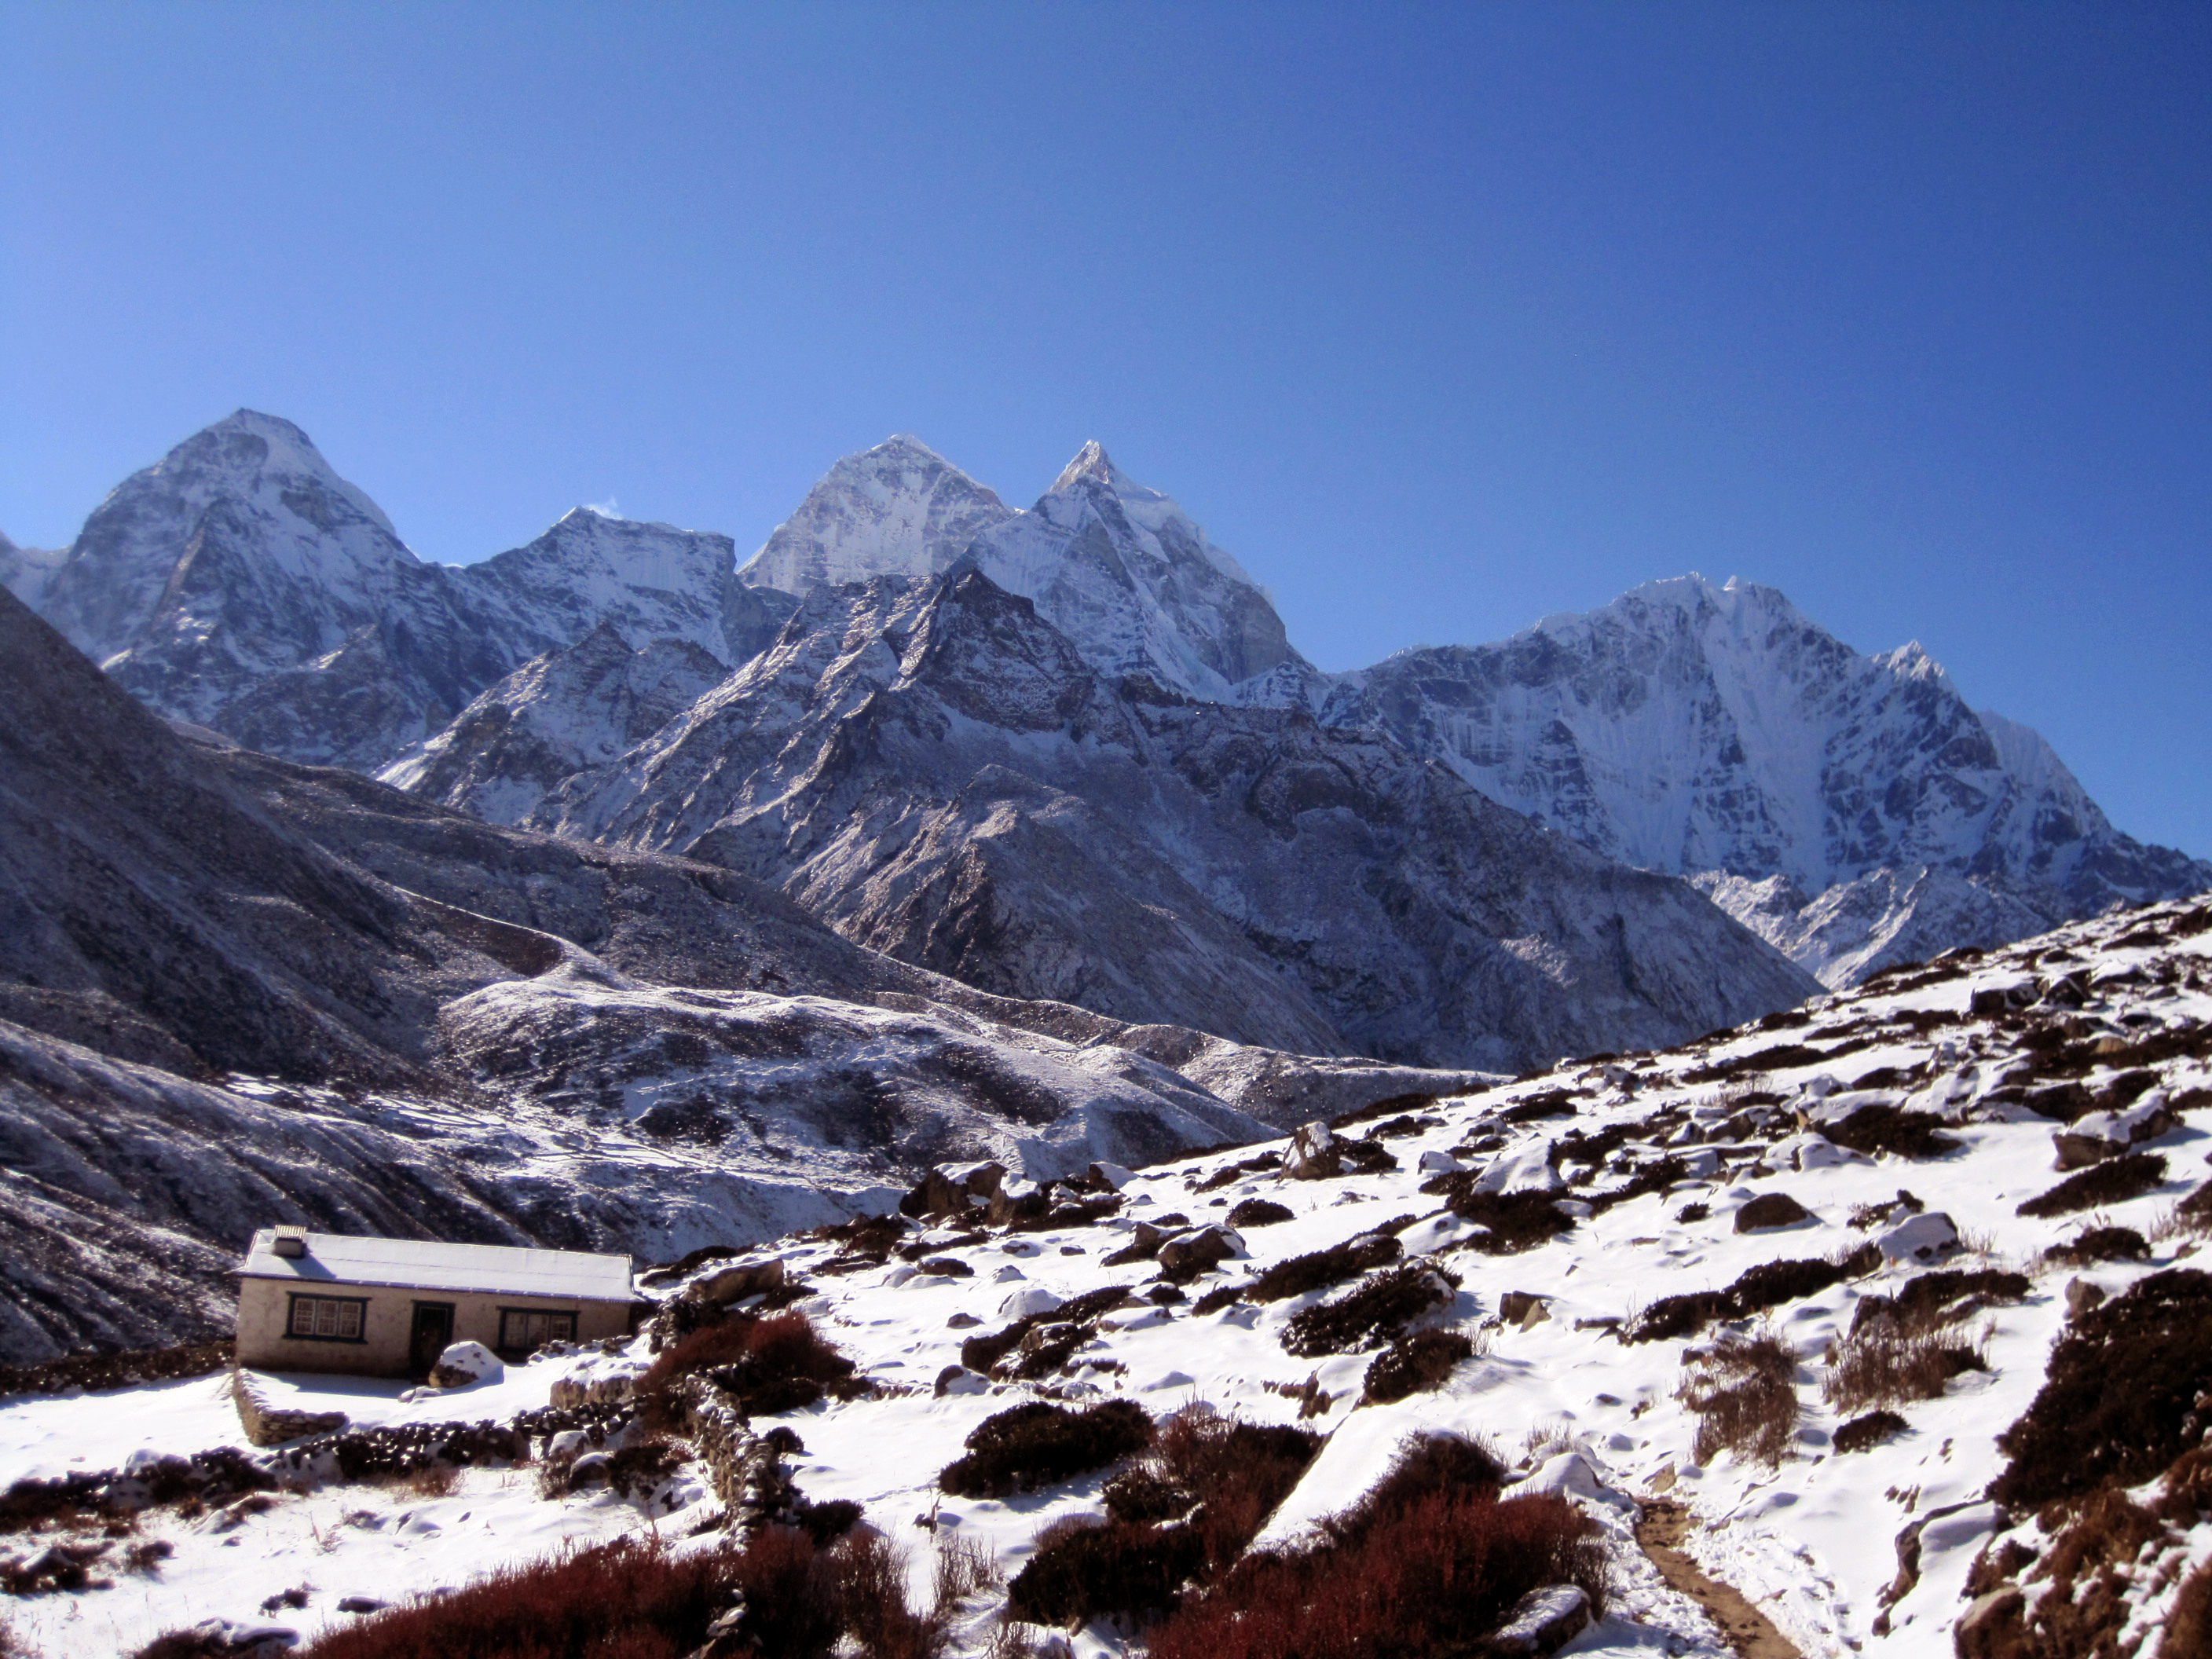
{"points": [[1419, 1578], [2118, 1401], [1238, 1472], [982, 1352], [1416, 1364], [433, 1480], [1767, 1285], [1260, 1213], [767, 1365], [1943, 1296], [1744, 1391], [1080, 1570], [2189, 1621], [2095, 1244], [1372, 1314], [2114, 1181], [1426, 1466], [1518, 1221], [1881, 1363], [628, 1597], [1864, 1433], [1317, 1269], [1673, 1316], [1040, 1444], [1874, 1129]]}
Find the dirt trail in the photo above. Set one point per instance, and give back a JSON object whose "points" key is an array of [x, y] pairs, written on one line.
{"points": [[1659, 1530]]}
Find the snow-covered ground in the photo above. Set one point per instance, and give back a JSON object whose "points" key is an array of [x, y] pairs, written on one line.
{"points": [[1812, 1541]]}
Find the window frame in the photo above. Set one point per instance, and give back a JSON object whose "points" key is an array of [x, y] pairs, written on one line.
{"points": [[293, 1298], [573, 1315]]}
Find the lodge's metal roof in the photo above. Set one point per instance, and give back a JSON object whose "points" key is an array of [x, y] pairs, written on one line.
{"points": [[428, 1265]]}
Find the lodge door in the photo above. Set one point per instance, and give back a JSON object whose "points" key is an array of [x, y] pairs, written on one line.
{"points": [[433, 1334]]}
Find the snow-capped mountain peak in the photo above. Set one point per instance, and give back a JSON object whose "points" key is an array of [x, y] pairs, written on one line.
{"points": [[897, 509]]}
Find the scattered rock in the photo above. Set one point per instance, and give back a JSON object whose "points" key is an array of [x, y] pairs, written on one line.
{"points": [[466, 1363], [2107, 1134], [736, 1282], [1314, 1153], [1187, 1255], [1920, 1238], [1770, 1210], [2082, 1295], [1542, 1622], [1524, 1308], [958, 1379]]}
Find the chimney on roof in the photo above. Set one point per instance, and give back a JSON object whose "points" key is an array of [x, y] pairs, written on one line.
{"points": [[289, 1241]]}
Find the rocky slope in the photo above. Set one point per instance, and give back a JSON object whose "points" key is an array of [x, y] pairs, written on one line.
{"points": [[1873, 1328], [937, 771], [1717, 731], [242, 584], [234, 989]]}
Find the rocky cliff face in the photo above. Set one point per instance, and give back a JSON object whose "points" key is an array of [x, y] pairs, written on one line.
{"points": [[239, 583], [566, 712], [1713, 731], [937, 771]]}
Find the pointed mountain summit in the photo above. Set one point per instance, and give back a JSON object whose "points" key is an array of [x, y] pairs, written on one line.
{"points": [[1115, 565], [900, 509], [1126, 575]]}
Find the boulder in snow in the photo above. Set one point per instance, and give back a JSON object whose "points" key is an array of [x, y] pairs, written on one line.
{"points": [[1542, 1622], [1028, 1304], [1922, 1238], [1770, 1210], [1313, 1154], [463, 1364], [2101, 1135]]}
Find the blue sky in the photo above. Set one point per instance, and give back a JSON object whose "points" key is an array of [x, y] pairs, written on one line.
{"points": [[1440, 318]]}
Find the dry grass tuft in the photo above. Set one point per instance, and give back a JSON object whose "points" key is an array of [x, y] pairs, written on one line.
{"points": [[1883, 1363], [1744, 1392]]}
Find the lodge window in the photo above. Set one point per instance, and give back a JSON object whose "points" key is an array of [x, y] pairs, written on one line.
{"points": [[525, 1330], [327, 1318]]}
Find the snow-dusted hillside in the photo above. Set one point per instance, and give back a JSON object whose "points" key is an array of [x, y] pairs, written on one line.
{"points": [[1566, 1223]]}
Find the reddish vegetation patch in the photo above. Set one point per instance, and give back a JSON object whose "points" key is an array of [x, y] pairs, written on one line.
{"points": [[626, 1598], [633, 1600], [1419, 1578], [1185, 1512], [769, 1365], [1041, 1445]]}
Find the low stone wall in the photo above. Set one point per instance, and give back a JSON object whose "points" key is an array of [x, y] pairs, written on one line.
{"points": [[93, 1371]]}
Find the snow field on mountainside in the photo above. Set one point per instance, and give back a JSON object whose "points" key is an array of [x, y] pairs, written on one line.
{"points": [[1811, 1540]]}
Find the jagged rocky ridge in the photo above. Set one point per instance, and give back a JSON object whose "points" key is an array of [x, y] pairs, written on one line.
{"points": [[234, 990], [932, 768], [1853, 810], [242, 584]]}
